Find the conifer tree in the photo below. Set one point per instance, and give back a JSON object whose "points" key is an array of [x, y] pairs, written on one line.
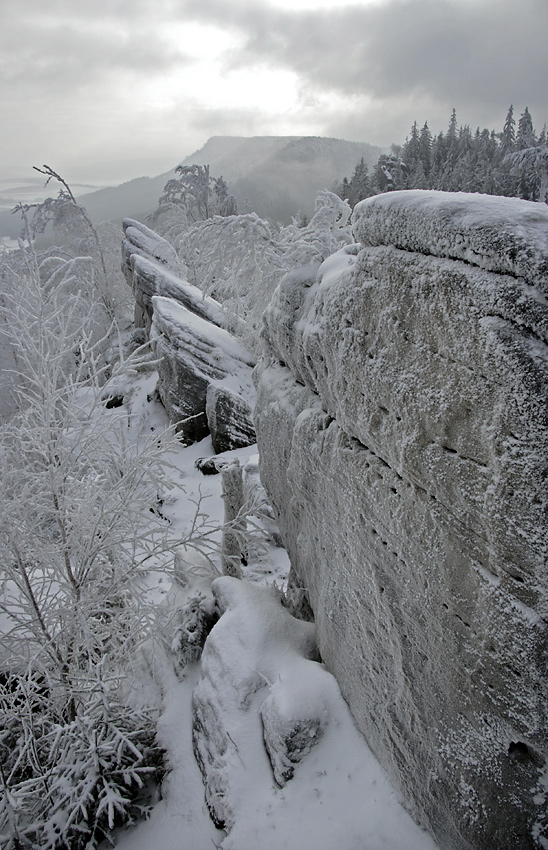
{"points": [[508, 135], [360, 185], [496, 163], [426, 148], [524, 166], [526, 135]]}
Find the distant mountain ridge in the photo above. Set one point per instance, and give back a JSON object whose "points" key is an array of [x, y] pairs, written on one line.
{"points": [[276, 176]]}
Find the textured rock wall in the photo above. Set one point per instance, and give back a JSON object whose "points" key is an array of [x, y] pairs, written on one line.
{"points": [[402, 423]]}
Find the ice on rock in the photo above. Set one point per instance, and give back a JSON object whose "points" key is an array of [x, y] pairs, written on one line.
{"points": [[403, 433]]}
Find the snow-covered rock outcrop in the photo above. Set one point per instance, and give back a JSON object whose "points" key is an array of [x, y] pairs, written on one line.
{"points": [[282, 762], [257, 648], [204, 374], [151, 267], [402, 423]]}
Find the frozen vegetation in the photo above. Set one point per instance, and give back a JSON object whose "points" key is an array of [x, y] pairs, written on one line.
{"points": [[111, 538]]}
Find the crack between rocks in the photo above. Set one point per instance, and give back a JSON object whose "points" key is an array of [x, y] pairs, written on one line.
{"points": [[463, 260]]}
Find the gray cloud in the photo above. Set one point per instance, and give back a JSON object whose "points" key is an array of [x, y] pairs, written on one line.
{"points": [[71, 73], [477, 56], [61, 56]]}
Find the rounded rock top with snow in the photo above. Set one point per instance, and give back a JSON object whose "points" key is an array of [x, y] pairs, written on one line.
{"points": [[503, 235]]}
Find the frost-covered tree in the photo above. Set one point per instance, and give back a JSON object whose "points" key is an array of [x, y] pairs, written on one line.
{"points": [[508, 135], [195, 195], [79, 525], [411, 154], [526, 137], [237, 260], [240, 259], [458, 160], [360, 184], [426, 148], [78, 237], [328, 230], [530, 165]]}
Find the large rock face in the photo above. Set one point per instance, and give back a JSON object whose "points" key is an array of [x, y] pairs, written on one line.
{"points": [[403, 431]]}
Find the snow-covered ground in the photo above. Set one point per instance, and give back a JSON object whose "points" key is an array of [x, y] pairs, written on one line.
{"points": [[339, 796]]}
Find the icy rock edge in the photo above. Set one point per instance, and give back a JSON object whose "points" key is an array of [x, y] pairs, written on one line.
{"points": [[403, 434]]}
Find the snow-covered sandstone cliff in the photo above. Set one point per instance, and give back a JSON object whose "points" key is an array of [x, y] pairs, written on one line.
{"points": [[402, 422]]}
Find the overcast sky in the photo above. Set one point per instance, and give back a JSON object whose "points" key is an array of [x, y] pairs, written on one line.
{"points": [[107, 90]]}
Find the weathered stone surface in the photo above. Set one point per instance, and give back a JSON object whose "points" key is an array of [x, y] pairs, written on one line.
{"points": [[200, 361], [151, 267], [404, 445], [150, 279], [144, 242], [504, 235], [230, 418]]}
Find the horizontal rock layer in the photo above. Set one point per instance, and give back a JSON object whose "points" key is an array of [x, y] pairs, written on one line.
{"points": [[204, 377], [403, 434], [142, 241], [204, 373], [151, 266], [504, 235]]}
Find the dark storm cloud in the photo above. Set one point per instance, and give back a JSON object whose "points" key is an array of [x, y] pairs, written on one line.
{"points": [[477, 56]]}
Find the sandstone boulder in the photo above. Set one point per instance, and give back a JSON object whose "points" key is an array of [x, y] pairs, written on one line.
{"points": [[402, 423], [204, 376]]}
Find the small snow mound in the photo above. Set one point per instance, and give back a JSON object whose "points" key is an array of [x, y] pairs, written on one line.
{"points": [[295, 715]]}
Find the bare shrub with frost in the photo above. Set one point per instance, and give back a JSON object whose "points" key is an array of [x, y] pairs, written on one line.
{"points": [[72, 227], [80, 526], [240, 259]]}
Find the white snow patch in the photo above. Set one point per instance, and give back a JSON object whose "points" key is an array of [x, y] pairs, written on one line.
{"points": [[339, 795]]}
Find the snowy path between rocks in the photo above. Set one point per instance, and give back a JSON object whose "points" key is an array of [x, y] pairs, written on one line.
{"points": [[339, 797]]}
